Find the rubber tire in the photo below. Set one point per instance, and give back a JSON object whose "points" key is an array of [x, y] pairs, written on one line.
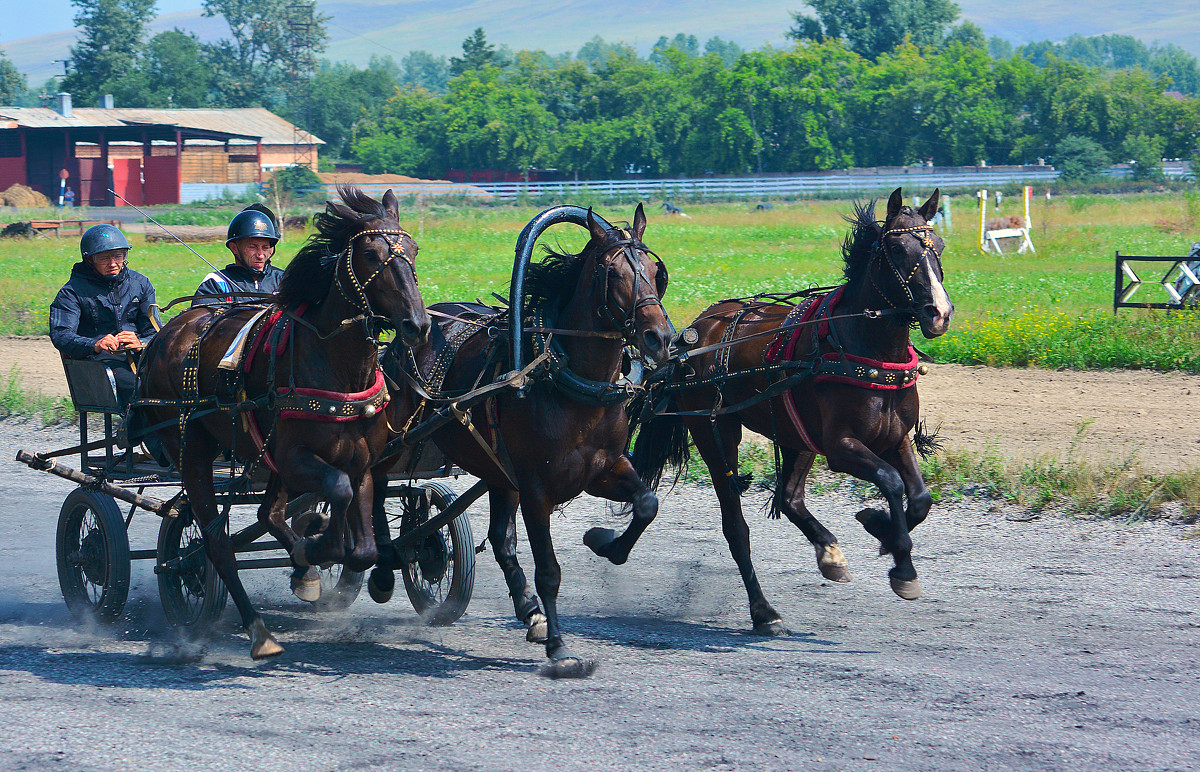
{"points": [[196, 618], [114, 552], [462, 579]]}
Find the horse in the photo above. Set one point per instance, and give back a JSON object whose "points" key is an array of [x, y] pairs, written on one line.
{"points": [[851, 395], [353, 277], [568, 431]]}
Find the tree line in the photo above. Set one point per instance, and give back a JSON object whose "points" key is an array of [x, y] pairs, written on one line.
{"points": [[866, 83]]}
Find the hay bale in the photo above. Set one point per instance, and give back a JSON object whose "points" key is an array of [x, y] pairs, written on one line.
{"points": [[1005, 222], [189, 233], [16, 230], [23, 196]]}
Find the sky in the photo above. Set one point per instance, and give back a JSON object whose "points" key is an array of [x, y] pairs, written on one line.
{"points": [[54, 15]]}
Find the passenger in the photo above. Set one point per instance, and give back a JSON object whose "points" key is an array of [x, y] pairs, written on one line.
{"points": [[105, 310], [252, 236]]}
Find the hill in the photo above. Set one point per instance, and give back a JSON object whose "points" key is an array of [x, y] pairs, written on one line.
{"points": [[360, 28]]}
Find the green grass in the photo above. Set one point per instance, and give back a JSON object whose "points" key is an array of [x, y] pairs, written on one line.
{"points": [[1051, 308], [16, 400]]}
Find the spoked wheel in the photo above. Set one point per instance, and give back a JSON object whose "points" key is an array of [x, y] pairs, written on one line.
{"points": [[441, 578], [93, 556], [339, 585], [192, 594]]}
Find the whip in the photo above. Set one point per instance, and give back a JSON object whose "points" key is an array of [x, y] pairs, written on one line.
{"points": [[167, 230]]}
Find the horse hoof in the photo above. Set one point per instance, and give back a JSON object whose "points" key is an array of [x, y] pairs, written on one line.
{"points": [[306, 585], [539, 629], [262, 644], [771, 629], [569, 667], [600, 540], [832, 563], [380, 585], [909, 589]]}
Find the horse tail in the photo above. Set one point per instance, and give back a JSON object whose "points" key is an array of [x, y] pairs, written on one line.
{"points": [[926, 443], [662, 441]]}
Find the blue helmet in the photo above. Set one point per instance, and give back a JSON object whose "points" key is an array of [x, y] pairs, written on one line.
{"points": [[251, 223], [102, 238]]}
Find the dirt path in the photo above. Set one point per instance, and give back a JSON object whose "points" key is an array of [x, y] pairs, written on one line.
{"points": [[1023, 413]]}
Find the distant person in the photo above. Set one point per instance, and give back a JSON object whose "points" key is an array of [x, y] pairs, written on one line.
{"points": [[251, 238], [70, 197], [105, 311]]}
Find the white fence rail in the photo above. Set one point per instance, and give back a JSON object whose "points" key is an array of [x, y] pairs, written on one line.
{"points": [[724, 187]]}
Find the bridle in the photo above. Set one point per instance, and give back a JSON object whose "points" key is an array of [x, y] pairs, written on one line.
{"points": [[625, 320], [358, 296], [880, 252]]}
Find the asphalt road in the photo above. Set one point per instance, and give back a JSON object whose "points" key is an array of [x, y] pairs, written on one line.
{"points": [[1051, 644]]}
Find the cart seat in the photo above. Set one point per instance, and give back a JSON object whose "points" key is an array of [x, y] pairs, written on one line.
{"points": [[93, 387]]}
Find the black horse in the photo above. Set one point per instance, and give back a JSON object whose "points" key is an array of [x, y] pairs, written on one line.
{"points": [[852, 396], [355, 275]]}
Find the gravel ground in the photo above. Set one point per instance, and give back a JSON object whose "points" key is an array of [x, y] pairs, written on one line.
{"points": [[1043, 644]]}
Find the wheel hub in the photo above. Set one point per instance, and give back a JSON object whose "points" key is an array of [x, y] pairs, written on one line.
{"points": [[191, 568], [91, 557], [433, 558]]}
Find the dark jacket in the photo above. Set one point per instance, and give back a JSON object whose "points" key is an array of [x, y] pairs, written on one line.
{"points": [[90, 306], [241, 278]]}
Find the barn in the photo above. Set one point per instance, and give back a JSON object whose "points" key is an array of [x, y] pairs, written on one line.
{"points": [[148, 156]]}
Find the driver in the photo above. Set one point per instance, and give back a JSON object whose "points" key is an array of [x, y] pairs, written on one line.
{"points": [[105, 310], [251, 238]]}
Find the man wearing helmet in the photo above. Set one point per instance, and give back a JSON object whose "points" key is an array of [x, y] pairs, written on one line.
{"points": [[252, 236], [105, 309]]}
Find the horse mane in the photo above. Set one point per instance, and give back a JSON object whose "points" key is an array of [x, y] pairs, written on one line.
{"points": [[308, 277], [552, 279], [859, 243]]}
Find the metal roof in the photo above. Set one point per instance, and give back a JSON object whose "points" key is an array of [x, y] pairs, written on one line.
{"points": [[245, 122]]}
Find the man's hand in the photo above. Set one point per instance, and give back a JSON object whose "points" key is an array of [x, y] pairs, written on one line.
{"points": [[128, 340], [108, 343]]}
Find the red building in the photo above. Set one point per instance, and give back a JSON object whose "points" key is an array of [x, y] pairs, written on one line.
{"points": [[148, 156]]}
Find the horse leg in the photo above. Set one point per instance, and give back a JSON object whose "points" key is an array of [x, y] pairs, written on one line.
{"points": [[766, 620], [502, 533], [308, 473], [361, 552], [536, 509], [621, 483], [851, 456], [382, 581], [272, 513], [920, 500], [793, 472], [196, 472]]}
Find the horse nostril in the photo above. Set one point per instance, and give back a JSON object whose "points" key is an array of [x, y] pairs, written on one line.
{"points": [[654, 340], [930, 311]]}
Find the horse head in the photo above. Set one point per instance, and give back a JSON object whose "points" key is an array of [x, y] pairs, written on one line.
{"points": [[632, 280], [907, 265], [377, 273]]}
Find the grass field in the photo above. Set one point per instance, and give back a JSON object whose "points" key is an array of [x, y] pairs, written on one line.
{"points": [[1052, 308]]}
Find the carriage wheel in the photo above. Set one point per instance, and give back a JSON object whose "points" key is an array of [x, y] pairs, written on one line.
{"points": [[93, 556], [440, 581], [339, 585], [192, 594]]}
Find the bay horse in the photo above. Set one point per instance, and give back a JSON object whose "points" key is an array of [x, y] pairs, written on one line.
{"points": [[319, 395], [852, 395], [568, 432]]}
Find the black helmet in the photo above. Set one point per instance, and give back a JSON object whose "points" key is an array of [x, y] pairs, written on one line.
{"points": [[251, 223], [102, 238]]}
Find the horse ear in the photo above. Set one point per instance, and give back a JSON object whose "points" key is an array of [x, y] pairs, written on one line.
{"points": [[930, 207], [639, 221], [895, 202], [391, 205], [595, 228]]}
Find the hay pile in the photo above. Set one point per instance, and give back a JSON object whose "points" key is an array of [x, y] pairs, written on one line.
{"points": [[189, 233], [1006, 221], [22, 196]]}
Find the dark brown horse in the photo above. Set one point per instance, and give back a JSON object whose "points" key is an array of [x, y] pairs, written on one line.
{"points": [[354, 276], [853, 397], [568, 432]]}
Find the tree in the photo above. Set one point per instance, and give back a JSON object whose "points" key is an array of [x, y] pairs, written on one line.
{"points": [[596, 52], [252, 64], [172, 71], [477, 54], [111, 38], [1079, 158], [874, 27], [969, 34], [688, 45], [999, 48], [727, 50], [1145, 153], [424, 70], [12, 83], [343, 95]]}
